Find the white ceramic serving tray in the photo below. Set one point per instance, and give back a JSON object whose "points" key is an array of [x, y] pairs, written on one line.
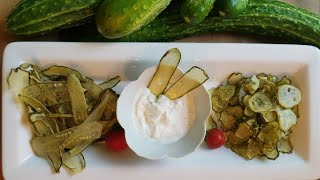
{"points": [[104, 60]]}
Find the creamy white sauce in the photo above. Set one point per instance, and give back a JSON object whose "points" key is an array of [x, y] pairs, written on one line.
{"points": [[163, 119]]}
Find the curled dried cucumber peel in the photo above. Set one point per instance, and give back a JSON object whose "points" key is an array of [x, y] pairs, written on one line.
{"points": [[256, 114], [67, 111]]}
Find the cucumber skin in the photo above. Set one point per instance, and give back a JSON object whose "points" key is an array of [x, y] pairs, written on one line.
{"points": [[118, 18], [230, 7], [195, 11], [33, 17], [261, 17]]}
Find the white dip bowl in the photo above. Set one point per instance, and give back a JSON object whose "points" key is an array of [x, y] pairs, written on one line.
{"points": [[151, 149]]}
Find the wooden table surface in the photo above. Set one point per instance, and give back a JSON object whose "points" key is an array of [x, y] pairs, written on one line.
{"points": [[5, 38]]}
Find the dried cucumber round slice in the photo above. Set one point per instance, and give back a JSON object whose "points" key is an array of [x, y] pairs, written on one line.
{"points": [[284, 146], [288, 96], [260, 102], [252, 84], [286, 118], [269, 116], [210, 124], [234, 78]]}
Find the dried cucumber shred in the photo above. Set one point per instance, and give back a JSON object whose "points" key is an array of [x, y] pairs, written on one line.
{"points": [[67, 111], [256, 114]]}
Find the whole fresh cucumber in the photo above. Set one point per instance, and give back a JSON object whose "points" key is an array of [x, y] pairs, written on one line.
{"points": [[230, 7], [195, 11], [263, 17], [32, 17], [118, 18]]}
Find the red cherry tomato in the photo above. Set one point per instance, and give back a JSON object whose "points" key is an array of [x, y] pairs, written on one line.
{"points": [[215, 138], [115, 140]]}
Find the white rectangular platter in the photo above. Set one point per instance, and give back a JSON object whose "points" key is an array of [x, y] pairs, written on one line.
{"points": [[104, 60]]}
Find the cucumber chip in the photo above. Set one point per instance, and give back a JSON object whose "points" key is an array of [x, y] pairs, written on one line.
{"points": [[286, 118], [192, 79], [227, 121], [243, 131], [269, 116], [288, 96], [284, 146], [210, 124], [167, 66], [284, 80], [234, 78], [226, 92], [260, 102], [252, 84], [272, 155], [218, 105]]}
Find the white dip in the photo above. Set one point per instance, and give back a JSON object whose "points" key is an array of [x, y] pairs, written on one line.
{"points": [[161, 118]]}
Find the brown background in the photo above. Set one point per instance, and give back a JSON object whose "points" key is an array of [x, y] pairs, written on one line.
{"points": [[5, 38]]}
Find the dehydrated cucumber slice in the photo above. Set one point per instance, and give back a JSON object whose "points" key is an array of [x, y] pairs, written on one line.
{"points": [[272, 78], [167, 66], [56, 160], [75, 164], [69, 138], [286, 118], [260, 102], [217, 104], [269, 116], [272, 155], [242, 94], [243, 131], [93, 91], [283, 81], [284, 146], [270, 134], [254, 149], [83, 145], [210, 124], [62, 71], [233, 139], [229, 116], [251, 122], [192, 79], [48, 93], [42, 127], [288, 96], [252, 84], [110, 83], [240, 149], [268, 87], [18, 80], [78, 100], [248, 112], [97, 113], [34, 103], [236, 111], [226, 92], [235, 78]]}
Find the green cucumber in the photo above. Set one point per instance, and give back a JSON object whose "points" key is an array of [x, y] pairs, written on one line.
{"points": [[195, 11], [230, 7], [263, 17], [31, 17], [118, 18]]}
